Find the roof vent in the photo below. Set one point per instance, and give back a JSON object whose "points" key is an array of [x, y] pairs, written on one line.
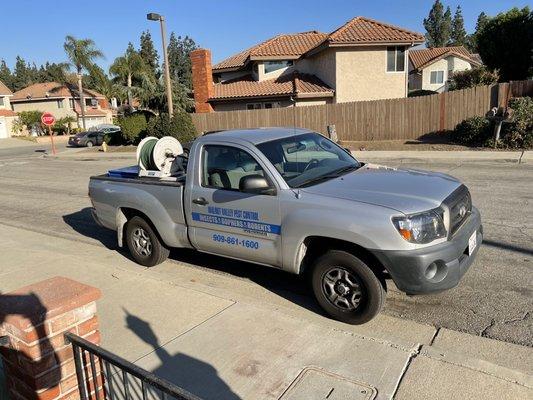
{"points": [[29, 96], [47, 94]]}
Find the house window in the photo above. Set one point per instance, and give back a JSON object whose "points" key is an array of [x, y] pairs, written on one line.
{"points": [[395, 59], [2, 101], [271, 66], [90, 102], [436, 77], [60, 103], [71, 103], [259, 106]]}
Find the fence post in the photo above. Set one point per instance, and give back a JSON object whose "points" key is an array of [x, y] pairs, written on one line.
{"points": [[442, 112], [39, 364]]}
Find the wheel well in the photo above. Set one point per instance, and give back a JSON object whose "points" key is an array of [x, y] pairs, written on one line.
{"points": [[129, 213], [319, 245]]}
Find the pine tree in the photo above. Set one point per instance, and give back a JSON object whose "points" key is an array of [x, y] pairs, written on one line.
{"points": [[149, 53], [438, 25], [179, 62], [458, 35], [22, 74], [482, 21], [5, 74]]}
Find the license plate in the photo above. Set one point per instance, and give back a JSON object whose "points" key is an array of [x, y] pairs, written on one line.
{"points": [[472, 243]]}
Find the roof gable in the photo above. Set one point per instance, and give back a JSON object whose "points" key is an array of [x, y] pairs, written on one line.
{"points": [[357, 31], [362, 30], [424, 57], [4, 90], [51, 89]]}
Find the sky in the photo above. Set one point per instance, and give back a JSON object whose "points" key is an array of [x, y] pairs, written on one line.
{"points": [[36, 29]]}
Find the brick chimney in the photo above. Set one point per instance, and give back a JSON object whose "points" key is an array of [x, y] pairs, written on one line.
{"points": [[202, 80]]}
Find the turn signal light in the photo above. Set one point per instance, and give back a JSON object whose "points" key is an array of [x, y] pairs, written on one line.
{"points": [[406, 234]]}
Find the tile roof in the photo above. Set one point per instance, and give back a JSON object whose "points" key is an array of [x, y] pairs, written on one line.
{"points": [[359, 30], [290, 84], [4, 90], [53, 89], [365, 30], [7, 113], [423, 57], [289, 45], [91, 112]]}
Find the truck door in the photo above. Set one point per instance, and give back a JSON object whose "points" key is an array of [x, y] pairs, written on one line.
{"points": [[225, 220]]}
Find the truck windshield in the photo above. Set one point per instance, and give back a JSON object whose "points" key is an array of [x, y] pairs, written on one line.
{"points": [[308, 159]]}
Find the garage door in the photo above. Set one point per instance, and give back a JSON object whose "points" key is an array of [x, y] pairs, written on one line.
{"points": [[3, 128]]}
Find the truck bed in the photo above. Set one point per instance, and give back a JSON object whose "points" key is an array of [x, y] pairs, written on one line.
{"points": [[130, 175]]}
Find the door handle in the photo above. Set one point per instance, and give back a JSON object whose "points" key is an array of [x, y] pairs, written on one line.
{"points": [[200, 201]]}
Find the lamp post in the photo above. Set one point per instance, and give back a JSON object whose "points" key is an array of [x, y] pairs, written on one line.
{"points": [[161, 19]]}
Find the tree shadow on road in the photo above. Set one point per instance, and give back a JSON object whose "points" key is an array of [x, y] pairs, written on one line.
{"points": [[189, 373]]}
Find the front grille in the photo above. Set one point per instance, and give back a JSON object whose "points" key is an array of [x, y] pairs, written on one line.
{"points": [[459, 204]]}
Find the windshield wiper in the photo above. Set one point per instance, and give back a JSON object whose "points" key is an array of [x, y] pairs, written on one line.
{"points": [[334, 174]]}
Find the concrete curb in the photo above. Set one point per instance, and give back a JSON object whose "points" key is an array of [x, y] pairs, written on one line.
{"points": [[462, 156]]}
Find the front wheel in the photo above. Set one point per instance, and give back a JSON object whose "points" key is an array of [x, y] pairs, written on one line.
{"points": [[346, 288], [89, 144], [145, 246]]}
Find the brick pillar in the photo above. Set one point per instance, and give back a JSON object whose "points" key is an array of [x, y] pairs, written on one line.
{"points": [[202, 80], [39, 365]]}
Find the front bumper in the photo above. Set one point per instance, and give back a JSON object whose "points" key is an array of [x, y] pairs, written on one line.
{"points": [[408, 268]]}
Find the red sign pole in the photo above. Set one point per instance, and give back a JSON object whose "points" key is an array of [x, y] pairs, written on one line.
{"points": [[52, 139], [49, 120]]}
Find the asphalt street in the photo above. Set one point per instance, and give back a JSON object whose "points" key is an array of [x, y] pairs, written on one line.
{"points": [[494, 299]]}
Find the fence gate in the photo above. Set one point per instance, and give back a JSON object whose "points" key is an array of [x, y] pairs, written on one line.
{"points": [[103, 375]]}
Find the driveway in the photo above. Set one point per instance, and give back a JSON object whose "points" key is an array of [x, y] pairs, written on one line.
{"points": [[493, 300]]}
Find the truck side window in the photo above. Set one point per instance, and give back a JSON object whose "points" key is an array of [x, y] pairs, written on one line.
{"points": [[224, 166]]}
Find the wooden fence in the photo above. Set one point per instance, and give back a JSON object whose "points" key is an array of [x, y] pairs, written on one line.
{"points": [[394, 119]]}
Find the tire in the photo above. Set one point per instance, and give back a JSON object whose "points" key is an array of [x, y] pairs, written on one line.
{"points": [[89, 144], [144, 244], [346, 288]]}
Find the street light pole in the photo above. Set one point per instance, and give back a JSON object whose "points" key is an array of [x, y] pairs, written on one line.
{"points": [[161, 19]]}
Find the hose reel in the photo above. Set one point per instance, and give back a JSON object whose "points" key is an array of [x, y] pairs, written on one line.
{"points": [[159, 157]]}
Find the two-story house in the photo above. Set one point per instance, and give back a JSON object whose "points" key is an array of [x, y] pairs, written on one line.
{"points": [[7, 116], [63, 100], [362, 60], [431, 68]]}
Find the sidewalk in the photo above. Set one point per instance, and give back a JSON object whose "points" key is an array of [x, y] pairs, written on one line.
{"points": [[204, 331]]}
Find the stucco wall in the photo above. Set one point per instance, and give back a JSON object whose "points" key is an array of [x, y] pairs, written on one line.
{"points": [[46, 105], [446, 64], [6, 105], [362, 75], [312, 102], [322, 65]]}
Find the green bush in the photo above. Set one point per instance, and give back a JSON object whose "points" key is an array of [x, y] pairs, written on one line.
{"points": [[31, 119], [179, 126], [475, 131], [133, 128], [519, 132], [479, 76], [114, 138]]}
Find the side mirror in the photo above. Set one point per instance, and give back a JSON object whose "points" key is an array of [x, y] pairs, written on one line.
{"points": [[256, 184]]}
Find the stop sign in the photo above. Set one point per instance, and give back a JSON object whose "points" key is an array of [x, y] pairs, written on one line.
{"points": [[48, 119]]}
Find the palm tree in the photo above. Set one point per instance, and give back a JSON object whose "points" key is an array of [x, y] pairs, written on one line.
{"points": [[81, 53], [129, 66]]}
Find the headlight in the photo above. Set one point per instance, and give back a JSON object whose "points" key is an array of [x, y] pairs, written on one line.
{"points": [[421, 228]]}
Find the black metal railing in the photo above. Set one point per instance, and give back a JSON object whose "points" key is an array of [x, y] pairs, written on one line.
{"points": [[103, 375]]}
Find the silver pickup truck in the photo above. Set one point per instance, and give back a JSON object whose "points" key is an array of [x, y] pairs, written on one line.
{"points": [[294, 200]]}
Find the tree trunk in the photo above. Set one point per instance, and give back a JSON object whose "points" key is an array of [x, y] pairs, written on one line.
{"points": [[82, 98], [129, 91]]}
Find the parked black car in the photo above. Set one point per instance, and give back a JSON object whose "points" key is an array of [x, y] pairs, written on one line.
{"points": [[90, 138]]}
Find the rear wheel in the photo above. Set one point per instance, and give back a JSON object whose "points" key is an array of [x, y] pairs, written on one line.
{"points": [[143, 243], [89, 144], [346, 288]]}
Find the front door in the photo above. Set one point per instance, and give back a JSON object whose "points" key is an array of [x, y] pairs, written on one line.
{"points": [[223, 219]]}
